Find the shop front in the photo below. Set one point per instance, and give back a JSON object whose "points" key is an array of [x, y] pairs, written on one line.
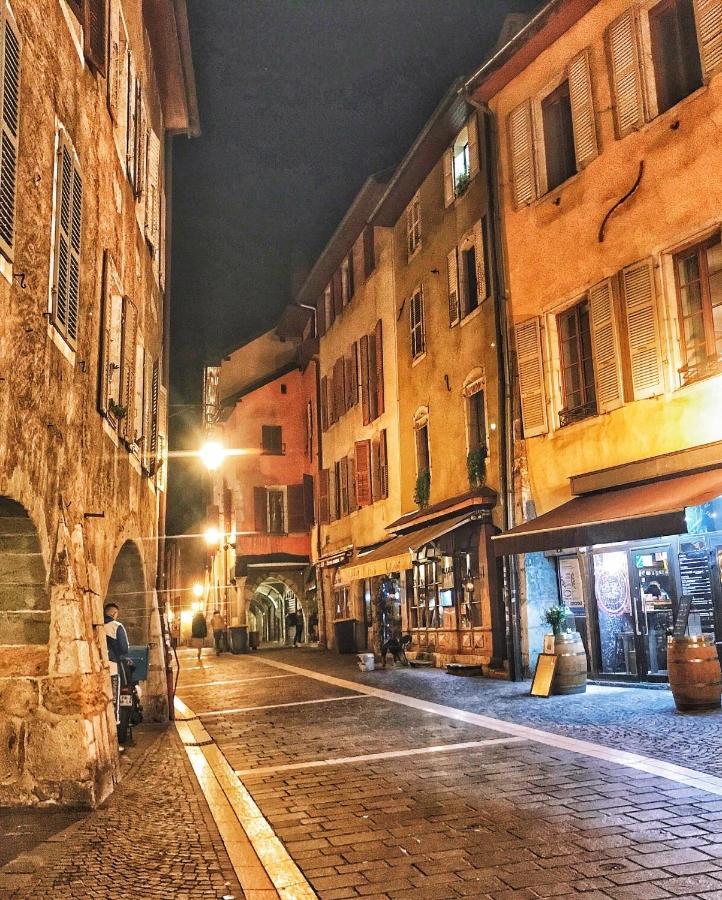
{"points": [[624, 594]]}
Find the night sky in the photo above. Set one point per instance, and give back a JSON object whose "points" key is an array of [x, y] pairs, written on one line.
{"points": [[300, 100]]}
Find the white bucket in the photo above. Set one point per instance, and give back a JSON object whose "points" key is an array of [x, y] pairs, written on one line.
{"points": [[365, 662]]}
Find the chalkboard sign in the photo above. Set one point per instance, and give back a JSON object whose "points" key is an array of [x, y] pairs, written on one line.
{"points": [[694, 573], [541, 686], [683, 608]]}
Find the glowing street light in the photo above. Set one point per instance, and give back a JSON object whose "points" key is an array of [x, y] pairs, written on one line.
{"points": [[197, 589], [212, 454], [212, 536]]}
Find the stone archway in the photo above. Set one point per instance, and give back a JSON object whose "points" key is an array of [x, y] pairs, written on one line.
{"points": [[269, 595], [127, 588], [24, 593]]}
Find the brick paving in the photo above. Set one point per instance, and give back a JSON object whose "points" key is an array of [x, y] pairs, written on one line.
{"points": [[519, 820], [154, 838]]}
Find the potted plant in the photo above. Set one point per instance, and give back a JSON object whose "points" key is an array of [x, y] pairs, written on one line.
{"points": [[462, 183], [570, 674], [117, 411], [423, 488], [476, 466]]}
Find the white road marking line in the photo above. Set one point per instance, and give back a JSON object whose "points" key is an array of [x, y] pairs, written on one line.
{"points": [[243, 709], [205, 684], [708, 783], [367, 757]]}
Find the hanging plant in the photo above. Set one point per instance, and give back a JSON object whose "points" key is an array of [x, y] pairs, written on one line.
{"points": [[476, 466], [423, 488]]}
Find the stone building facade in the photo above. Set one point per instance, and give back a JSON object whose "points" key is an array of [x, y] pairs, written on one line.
{"points": [[91, 94]]}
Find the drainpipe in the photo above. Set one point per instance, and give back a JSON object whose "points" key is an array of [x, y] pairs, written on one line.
{"points": [[505, 395]]}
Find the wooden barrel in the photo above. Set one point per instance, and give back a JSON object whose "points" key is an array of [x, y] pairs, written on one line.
{"points": [[694, 672], [570, 675]]}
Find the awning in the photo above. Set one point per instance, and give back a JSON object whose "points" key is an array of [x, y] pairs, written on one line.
{"points": [[619, 514], [396, 554]]}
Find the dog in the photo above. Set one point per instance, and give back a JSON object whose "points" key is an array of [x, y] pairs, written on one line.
{"points": [[397, 648]]}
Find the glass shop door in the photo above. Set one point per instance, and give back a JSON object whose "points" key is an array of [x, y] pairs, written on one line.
{"points": [[654, 591]]}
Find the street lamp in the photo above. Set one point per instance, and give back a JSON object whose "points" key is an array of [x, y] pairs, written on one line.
{"points": [[197, 589], [212, 536], [212, 454]]}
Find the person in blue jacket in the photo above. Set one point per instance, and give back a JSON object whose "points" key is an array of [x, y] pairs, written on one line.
{"points": [[117, 639]]}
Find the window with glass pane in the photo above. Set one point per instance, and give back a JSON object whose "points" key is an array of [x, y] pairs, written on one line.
{"points": [[461, 160], [422, 449], [575, 347], [413, 225], [561, 161], [477, 421], [675, 52], [470, 280], [699, 293], [418, 338], [276, 517]]}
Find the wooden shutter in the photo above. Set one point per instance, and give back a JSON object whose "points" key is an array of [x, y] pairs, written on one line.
{"points": [[473, 132], [375, 471], [352, 363], [383, 464], [296, 508], [309, 518], [362, 454], [162, 457], [95, 17], [132, 122], [352, 499], [351, 285], [339, 382], [365, 405], [106, 307], [582, 104], [480, 256], [323, 497], [448, 178], [337, 293], [9, 131], [521, 144], [605, 346], [138, 397], [369, 250], [321, 316], [379, 342], [645, 356], [324, 403], [148, 401], [626, 74], [130, 338], [260, 509], [708, 15], [343, 486], [452, 268], [531, 377], [333, 493], [69, 200], [154, 402], [152, 193]]}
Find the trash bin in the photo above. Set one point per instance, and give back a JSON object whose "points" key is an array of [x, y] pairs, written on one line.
{"points": [[238, 638], [254, 639], [366, 662], [345, 632]]}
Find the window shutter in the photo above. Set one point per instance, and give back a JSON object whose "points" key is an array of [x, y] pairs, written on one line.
{"points": [[321, 316], [324, 403], [9, 131], [482, 289], [130, 338], [296, 508], [642, 330], [448, 178], [95, 16], [383, 465], [472, 129], [337, 293], [531, 378], [605, 346], [132, 120], [375, 471], [106, 307], [521, 143], [138, 408], [708, 14], [452, 267], [379, 341], [152, 192], [365, 405], [352, 499], [338, 389], [369, 250], [582, 104], [362, 454], [626, 73], [154, 401], [260, 509], [148, 401], [351, 286], [343, 486], [309, 518], [161, 467], [67, 244], [333, 494], [323, 497], [353, 373]]}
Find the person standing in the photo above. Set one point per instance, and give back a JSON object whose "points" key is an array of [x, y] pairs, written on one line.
{"points": [[218, 627], [291, 621], [299, 629], [313, 626], [117, 639], [199, 631]]}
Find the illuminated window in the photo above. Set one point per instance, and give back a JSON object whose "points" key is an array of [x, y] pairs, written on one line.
{"points": [[698, 274]]}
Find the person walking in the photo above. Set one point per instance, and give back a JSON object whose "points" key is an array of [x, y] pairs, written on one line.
{"points": [[117, 639], [299, 629], [199, 631], [291, 621], [218, 627], [313, 626]]}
